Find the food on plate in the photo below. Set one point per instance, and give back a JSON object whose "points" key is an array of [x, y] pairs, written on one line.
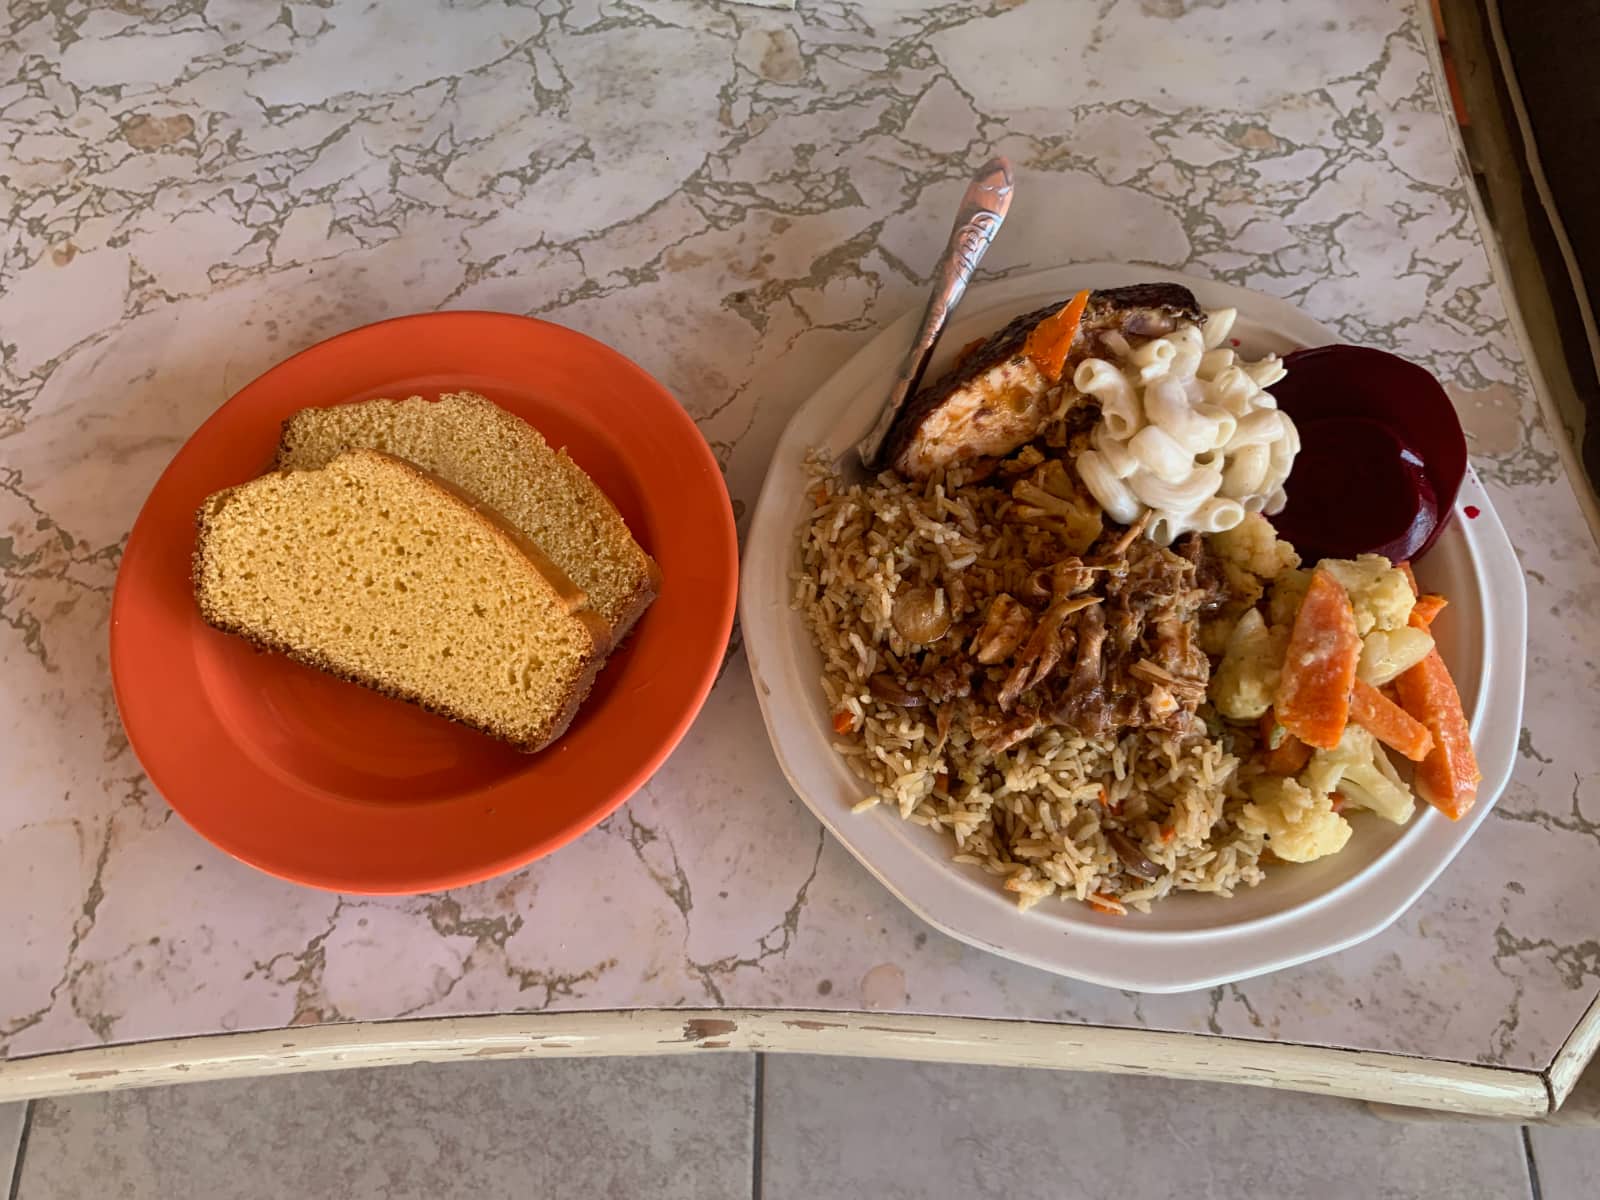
{"points": [[1448, 775], [1099, 689], [1191, 436], [1007, 390], [547, 578], [1371, 416], [1319, 664], [499, 459], [373, 570]]}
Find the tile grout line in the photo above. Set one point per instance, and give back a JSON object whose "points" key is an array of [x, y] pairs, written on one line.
{"points": [[1534, 1190], [757, 1130], [15, 1188]]}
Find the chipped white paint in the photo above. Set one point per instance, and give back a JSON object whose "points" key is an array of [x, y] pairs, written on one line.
{"points": [[736, 198]]}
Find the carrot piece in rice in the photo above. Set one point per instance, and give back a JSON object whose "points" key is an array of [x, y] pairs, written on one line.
{"points": [[1107, 903]]}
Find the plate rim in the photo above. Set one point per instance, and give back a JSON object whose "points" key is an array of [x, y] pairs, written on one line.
{"points": [[723, 551], [1099, 952]]}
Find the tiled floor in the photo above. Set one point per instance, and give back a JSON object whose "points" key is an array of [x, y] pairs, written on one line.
{"points": [[1566, 1162], [829, 1125], [794, 1129]]}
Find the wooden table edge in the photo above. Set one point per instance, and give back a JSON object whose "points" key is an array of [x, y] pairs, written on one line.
{"points": [[1353, 1074]]}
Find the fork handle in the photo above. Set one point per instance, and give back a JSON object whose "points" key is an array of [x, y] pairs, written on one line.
{"points": [[983, 208]]}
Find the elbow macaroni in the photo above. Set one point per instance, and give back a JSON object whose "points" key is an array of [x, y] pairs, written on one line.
{"points": [[1187, 432]]}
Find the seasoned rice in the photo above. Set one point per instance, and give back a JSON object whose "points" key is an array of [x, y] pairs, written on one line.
{"points": [[1036, 816]]}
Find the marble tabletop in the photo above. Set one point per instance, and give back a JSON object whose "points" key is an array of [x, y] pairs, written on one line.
{"points": [[737, 198]]}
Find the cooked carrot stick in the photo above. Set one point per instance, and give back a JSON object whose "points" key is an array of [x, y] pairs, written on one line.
{"points": [[1286, 754], [1428, 606], [1289, 758], [1269, 731], [1388, 722], [1319, 669], [1448, 777], [1050, 340]]}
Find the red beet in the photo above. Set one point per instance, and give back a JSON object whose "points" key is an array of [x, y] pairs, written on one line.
{"points": [[1382, 455]]}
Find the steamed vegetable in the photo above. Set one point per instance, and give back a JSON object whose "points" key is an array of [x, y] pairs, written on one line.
{"points": [[1051, 339], [1388, 722], [1247, 677], [1299, 825], [1380, 593], [1427, 607], [1359, 770], [1385, 653], [1251, 556], [1288, 590], [1448, 777], [1319, 668], [1286, 754], [1254, 546]]}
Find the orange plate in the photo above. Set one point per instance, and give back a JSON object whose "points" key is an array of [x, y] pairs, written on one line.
{"points": [[329, 784]]}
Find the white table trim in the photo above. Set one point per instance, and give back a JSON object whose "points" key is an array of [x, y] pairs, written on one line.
{"points": [[1354, 1074]]}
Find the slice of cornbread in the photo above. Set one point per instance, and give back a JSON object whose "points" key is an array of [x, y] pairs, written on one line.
{"points": [[373, 570], [500, 460]]}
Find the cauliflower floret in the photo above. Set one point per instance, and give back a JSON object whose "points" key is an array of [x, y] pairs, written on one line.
{"points": [[1380, 593], [1386, 654], [1245, 681], [1288, 590], [1254, 546], [1359, 770], [1214, 635], [1244, 590], [1250, 556], [1299, 826]]}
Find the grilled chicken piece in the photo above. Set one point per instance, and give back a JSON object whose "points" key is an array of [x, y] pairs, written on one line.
{"points": [[996, 398]]}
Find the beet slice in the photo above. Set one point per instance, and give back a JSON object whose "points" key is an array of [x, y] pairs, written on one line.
{"points": [[1382, 455]]}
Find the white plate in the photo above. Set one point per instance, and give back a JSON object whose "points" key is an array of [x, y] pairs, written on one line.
{"points": [[1190, 940]]}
